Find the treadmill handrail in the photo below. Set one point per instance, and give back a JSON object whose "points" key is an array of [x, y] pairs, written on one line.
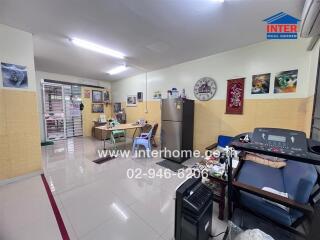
{"points": [[307, 209]]}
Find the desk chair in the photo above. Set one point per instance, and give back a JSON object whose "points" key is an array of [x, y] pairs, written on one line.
{"points": [[116, 135], [145, 139], [153, 134]]}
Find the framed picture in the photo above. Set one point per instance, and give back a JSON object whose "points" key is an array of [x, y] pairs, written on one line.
{"points": [[260, 83], [235, 92], [140, 96], [97, 108], [106, 97], [157, 95], [117, 107], [286, 81], [87, 93], [131, 101], [96, 96], [14, 76]]}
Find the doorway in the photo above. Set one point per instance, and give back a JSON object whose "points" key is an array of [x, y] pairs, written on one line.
{"points": [[315, 126], [62, 114]]}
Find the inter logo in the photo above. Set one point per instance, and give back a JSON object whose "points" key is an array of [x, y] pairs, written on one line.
{"points": [[282, 26]]}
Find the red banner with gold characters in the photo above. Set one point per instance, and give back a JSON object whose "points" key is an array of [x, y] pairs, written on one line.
{"points": [[235, 93]]}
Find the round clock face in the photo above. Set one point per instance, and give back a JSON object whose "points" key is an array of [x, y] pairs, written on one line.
{"points": [[205, 89]]}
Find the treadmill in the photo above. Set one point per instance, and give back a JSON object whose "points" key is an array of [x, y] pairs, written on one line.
{"points": [[282, 143]]}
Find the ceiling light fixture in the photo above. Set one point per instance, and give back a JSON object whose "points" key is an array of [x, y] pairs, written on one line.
{"points": [[118, 70], [97, 48], [218, 1]]}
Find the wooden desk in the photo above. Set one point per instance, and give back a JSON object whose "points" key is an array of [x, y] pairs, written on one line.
{"points": [[98, 133], [126, 126]]}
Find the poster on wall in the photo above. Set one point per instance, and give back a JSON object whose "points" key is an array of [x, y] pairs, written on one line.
{"points": [[14, 76], [235, 93], [157, 95], [106, 97], [87, 93], [140, 96], [286, 81], [96, 96], [131, 100], [97, 108], [260, 83]]}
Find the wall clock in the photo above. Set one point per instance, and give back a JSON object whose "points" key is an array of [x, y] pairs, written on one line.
{"points": [[205, 89]]}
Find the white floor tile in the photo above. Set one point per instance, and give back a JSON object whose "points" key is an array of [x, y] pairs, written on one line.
{"points": [[96, 201], [125, 227], [26, 212]]}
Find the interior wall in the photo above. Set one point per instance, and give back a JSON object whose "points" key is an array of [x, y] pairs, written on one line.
{"points": [[88, 116], [19, 122], [291, 110]]}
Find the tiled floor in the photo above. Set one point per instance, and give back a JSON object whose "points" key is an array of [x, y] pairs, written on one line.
{"points": [[96, 201]]}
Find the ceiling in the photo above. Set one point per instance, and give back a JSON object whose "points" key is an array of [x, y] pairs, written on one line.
{"points": [[152, 33]]}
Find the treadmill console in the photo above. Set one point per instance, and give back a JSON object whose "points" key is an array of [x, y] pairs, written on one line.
{"points": [[280, 140], [276, 142]]}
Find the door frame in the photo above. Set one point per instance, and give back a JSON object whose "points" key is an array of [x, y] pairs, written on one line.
{"points": [[315, 96], [44, 112]]}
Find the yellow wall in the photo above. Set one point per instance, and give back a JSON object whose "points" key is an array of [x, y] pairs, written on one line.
{"points": [[88, 116], [309, 112], [153, 116], [211, 120], [19, 133]]}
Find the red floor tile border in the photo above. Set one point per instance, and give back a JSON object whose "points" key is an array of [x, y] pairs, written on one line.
{"points": [[55, 209]]}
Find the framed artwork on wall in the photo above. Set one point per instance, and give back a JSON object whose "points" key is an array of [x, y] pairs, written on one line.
{"points": [[157, 95], [235, 93], [261, 83], [14, 76], [97, 108], [117, 107], [97, 96], [140, 96], [131, 101], [87, 93], [106, 96], [286, 81]]}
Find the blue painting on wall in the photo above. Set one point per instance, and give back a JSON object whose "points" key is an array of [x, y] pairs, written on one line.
{"points": [[14, 76]]}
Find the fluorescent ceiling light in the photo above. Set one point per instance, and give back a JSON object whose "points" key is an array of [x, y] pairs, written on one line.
{"points": [[118, 70], [218, 1], [97, 48]]}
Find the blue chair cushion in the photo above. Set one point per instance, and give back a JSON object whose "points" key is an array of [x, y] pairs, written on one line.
{"points": [[224, 141], [299, 188], [260, 176], [297, 179], [259, 205]]}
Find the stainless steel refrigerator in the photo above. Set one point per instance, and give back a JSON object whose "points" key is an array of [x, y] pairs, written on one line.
{"points": [[177, 129]]}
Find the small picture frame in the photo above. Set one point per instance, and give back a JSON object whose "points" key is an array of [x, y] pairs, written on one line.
{"points": [[117, 107], [106, 97], [14, 76], [87, 93], [140, 96], [97, 96], [131, 101], [97, 108]]}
